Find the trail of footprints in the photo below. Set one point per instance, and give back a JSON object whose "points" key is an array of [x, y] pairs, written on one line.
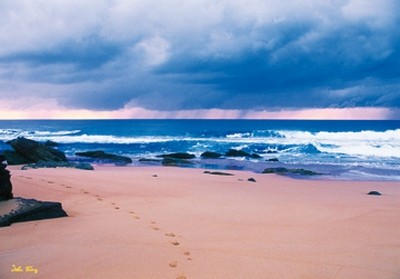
{"points": [[172, 237]]}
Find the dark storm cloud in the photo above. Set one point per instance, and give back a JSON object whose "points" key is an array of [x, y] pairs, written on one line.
{"points": [[209, 54]]}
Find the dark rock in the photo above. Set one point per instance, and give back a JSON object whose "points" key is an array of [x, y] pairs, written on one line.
{"points": [[99, 154], [273, 160], [14, 158], [34, 151], [84, 166], [167, 161], [179, 155], [218, 173], [251, 179], [28, 210], [47, 164], [144, 160], [5, 182], [271, 152], [241, 153], [5, 185], [210, 155], [51, 143], [374, 193], [236, 153], [52, 164], [284, 171], [255, 156]]}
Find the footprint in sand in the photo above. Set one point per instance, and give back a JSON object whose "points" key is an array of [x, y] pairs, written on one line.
{"points": [[68, 187], [181, 276], [50, 182], [170, 234], [134, 215], [99, 199], [116, 207], [173, 264], [154, 226], [175, 243], [187, 254]]}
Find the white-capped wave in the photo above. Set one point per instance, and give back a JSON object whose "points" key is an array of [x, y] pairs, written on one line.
{"points": [[238, 135], [56, 133], [9, 134], [366, 143], [107, 139]]}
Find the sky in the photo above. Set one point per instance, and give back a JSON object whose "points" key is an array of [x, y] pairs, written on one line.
{"points": [[293, 59]]}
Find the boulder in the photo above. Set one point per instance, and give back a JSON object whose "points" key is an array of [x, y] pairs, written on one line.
{"points": [[149, 160], [284, 171], [251, 179], [210, 155], [51, 143], [236, 153], [273, 160], [22, 210], [240, 153], [14, 158], [374, 193], [179, 155], [218, 173], [5, 182], [167, 161], [83, 166], [52, 164], [255, 156], [5, 185], [101, 155], [34, 151]]}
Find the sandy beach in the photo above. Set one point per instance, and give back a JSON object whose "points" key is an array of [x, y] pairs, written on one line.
{"points": [[165, 222]]}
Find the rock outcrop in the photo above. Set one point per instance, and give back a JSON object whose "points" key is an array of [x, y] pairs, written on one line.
{"points": [[30, 151], [179, 155], [210, 155], [52, 164], [286, 171], [167, 161], [107, 157], [5, 181], [23, 210], [218, 173], [374, 193], [240, 153]]}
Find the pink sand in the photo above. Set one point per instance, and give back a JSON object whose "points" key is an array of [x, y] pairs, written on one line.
{"points": [[125, 223]]}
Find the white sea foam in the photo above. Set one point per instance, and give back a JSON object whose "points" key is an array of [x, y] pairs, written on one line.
{"points": [[363, 143], [8, 134], [239, 135], [103, 139], [57, 133], [367, 143]]}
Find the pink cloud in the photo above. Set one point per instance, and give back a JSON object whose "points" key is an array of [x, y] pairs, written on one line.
{"points": [[49, 109]]}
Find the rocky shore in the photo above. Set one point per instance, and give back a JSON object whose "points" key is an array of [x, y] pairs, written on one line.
{"points": [[18, 209]]}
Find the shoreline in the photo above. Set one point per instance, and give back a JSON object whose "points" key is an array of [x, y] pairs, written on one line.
{"points": [[169, 222]]}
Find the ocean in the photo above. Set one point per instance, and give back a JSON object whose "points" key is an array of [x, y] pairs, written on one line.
{"points": [[349, 150]]}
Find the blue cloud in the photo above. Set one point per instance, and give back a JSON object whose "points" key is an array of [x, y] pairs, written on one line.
{"points": [[264, 55]]}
